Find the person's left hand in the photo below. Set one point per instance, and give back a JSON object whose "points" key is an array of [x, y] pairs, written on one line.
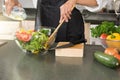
{"points": [[66, 9]]}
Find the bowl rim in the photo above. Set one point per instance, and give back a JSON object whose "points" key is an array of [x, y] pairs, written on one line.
{"points": [[110, 40], [17, 42]]}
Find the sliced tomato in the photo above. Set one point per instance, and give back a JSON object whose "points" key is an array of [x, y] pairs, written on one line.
{"points": [[103, 36], [23, 36]]}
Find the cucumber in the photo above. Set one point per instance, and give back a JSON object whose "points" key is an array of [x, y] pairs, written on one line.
{"points": [[107, 60]]}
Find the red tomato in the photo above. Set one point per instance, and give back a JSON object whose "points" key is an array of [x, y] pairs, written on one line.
{"points": [[103, 36], [23, 36]]}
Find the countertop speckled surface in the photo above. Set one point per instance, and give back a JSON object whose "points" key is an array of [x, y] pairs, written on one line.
{"points": [[90, 17], [98, 17], [16, 65]]}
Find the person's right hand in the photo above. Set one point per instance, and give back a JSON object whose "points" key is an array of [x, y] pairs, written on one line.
{"points": [[10, 4], [66, 9]]}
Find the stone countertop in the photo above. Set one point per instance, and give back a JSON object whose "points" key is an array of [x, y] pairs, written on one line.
{"points": [[31, 13], [16, 65], [97, 18], [90, 17], [93, 18]]}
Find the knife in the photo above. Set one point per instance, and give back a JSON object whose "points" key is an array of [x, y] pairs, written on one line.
{"points": [[62, 46], [2, 43]]}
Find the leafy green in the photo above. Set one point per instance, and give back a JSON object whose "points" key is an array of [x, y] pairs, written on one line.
{"points": [[118, 29], [46, 31], [105, 27]]}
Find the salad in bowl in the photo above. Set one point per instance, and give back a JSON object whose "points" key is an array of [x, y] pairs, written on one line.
{"points": [[32, 41], [108, 33]]}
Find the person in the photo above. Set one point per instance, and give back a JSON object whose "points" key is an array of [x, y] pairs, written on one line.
{"points": [[53, 12]]}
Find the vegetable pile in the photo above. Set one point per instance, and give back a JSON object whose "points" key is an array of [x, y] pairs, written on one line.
{"points": [[105, 27], [110, 57], [109, 35], [106, 60], [32, 41]]}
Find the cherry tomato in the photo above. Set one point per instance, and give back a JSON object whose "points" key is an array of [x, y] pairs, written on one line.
{"points": [[103, 36]]}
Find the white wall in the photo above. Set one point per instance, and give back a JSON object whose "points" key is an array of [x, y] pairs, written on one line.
{"points": [[26, 3], [0, 6]]}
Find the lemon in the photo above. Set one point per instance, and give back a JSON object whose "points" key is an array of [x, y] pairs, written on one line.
{"points": [[29, 31], [22, 30], [35, 52]]}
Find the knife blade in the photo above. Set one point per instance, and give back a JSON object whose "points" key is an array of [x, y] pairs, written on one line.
{"points": [[62, 46]]}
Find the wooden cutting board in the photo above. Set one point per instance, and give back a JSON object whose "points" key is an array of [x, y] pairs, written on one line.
{"points": [[72, 51]]}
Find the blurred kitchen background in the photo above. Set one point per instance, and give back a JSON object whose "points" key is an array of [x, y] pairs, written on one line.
{"points": [[8, 26]]}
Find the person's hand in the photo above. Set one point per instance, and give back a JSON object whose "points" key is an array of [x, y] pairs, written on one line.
{"points": [[10, 4], [66, 9]]}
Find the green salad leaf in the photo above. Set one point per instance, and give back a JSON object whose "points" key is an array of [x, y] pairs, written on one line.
{"points": [[105, 27]]}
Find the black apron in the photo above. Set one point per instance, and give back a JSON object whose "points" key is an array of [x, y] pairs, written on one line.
{"points": [[48, 14]]}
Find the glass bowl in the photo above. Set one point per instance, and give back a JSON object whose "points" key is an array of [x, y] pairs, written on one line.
{"points": [[32, 42], [40, 52], [110, 43]]}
